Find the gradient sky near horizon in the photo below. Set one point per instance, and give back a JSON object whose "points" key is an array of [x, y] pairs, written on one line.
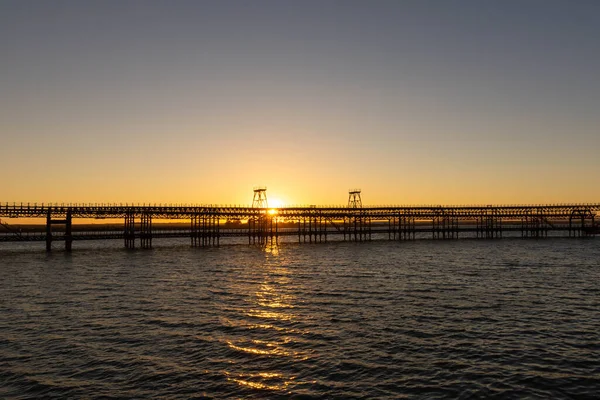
{"points": [[414, 102]]}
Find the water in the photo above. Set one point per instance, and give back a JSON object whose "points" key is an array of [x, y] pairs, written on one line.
{"points": [[425, 319]]}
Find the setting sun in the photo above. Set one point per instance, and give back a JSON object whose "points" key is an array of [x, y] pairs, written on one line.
{"points": [[275, 203]]}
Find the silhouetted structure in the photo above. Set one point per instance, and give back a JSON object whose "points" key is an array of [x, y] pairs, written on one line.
{"points": [[260, 197], [258, 221], [354, 200], [309, 224]]}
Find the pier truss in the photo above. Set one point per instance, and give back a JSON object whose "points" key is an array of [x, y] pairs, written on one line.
{"points": [[209, 225]]}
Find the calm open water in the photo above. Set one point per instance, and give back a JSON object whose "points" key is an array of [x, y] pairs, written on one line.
{"points": [[381, 320]]}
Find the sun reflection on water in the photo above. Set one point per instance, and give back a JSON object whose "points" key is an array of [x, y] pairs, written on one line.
{"points": [[268, 297], [272, 249], [269, 319], [261, 347], [272, 381]]}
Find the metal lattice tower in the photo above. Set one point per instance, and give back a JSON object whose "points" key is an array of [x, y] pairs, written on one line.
{"points": [[354, 200], [260, 197]]}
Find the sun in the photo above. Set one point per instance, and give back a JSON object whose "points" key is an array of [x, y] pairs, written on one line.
{"points": [[275, 203]]}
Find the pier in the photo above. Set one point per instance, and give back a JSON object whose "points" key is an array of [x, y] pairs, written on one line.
{"points": [[212, 225]]}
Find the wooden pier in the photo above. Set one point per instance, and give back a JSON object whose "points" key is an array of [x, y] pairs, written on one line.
{"points": [[211, 225]]}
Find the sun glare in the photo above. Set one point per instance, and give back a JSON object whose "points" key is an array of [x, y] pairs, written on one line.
{"points": [[275, 203]]}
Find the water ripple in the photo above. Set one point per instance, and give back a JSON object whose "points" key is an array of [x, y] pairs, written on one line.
{"points": [[468, 319]]}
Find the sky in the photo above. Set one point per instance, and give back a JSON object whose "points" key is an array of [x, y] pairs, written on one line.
{"points": [[414, 102]]}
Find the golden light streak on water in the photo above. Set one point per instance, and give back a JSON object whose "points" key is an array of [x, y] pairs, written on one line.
{"points": [[262, 380], [254, 350], [272, 249], [269, 315]]}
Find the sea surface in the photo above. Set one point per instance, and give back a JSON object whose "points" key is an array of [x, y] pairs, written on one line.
{"points": [[510, 319]]}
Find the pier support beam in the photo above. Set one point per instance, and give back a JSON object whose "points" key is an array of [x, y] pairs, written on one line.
{"points": [[445, 225], [586, 222], [129, 232], [194, 231], [489, 224], [146, 231], [406, 227], [357, 227], [68, 231], [257, 229], [68, 235], [205, 230], [49, 231]]}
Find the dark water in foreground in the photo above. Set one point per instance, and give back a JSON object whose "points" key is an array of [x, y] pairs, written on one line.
{"points": [[461, 319]]}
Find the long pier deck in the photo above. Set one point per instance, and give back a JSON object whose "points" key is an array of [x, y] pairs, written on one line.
{"points": [[209, 225]]}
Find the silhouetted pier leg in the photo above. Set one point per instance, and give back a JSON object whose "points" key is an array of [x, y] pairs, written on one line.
{"points": [[208, 222], [304, 230], [571, 232], [409, 228], [400, 227], [500, 230], [258, 229], [456, 227], [49, 231], [362, 230], [68, 232], [218, 231], [193, 231], [249, 231], [203, 231], [129, 232], [68, 235], [322, 227], [212, 230], [317, 229], [146, 231], [524, 227]]}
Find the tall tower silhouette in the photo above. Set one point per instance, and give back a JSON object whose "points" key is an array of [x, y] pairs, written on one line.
{"points": [[260, 197], [354, 200]]}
